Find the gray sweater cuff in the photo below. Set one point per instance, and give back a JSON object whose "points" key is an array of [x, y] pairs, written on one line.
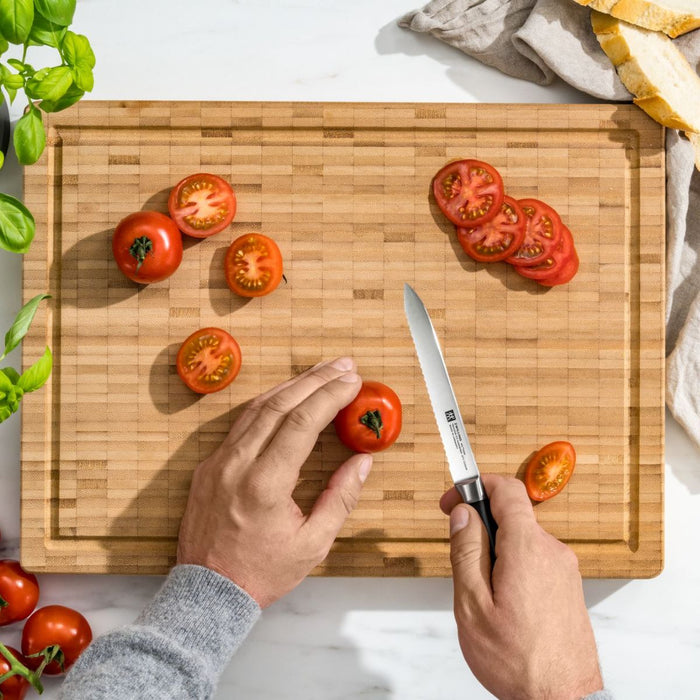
{"points": [[600, 695], [203, 611]]}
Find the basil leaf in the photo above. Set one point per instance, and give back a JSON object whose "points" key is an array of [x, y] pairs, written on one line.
{"points": [[11, 81], [6, 381], [16, 225], [4, 45], [11, 373], [58, 11], [50, 84], [72, 96], [36, 376], [5, 412], [78, 54], [21, 324], [45, 32], [16, 17], [29, 137], [2, 159]]}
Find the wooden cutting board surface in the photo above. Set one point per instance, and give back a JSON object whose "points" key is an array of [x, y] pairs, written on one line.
{"points": [[108, 446]]}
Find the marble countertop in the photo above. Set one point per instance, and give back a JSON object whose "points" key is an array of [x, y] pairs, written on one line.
{"points": [[347, 638]]}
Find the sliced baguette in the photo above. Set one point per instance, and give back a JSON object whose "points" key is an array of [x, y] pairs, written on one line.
{"points": [[662, 81], [672, 17]]}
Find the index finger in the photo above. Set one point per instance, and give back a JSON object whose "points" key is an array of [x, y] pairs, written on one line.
{"points": [[508, 498]]}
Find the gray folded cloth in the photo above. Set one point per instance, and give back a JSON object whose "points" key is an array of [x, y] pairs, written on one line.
{"points": [[538, 40]]}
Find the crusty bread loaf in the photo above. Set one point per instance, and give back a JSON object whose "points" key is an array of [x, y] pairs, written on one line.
{"points": [[650, 66], [672, 17]]}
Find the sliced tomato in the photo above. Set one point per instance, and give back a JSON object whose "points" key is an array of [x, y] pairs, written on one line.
{"points": [[468, 192], [553, 263], [542, 233], [208, 360], [549, 470], [565, 274], [253, 265], [202, 205], [497, 238]]}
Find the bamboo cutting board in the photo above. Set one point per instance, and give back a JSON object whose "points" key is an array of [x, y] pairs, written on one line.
{"points": [[109, 445]]}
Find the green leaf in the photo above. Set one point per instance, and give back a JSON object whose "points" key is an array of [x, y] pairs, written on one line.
{"points": [[16, 17], [36, 376], [29, 137], [4, 45], [21, 324], [11, 373], [50, 84], [12, 81], [6, 382], [2, 159], [5, 412], [78, 54], [72, 96], [58, 11], [45, 32], [16, 225]]}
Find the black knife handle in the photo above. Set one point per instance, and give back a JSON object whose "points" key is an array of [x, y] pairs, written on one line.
{"points": [[483, 508]]}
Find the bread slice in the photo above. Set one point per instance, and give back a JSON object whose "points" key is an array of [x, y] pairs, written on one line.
{"points": [[650, 66], [672, 17]]}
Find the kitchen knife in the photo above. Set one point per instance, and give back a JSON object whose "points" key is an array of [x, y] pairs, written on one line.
{"points": [[460, 457]]}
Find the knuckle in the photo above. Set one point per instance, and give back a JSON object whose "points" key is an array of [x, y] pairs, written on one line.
{"points": [[276, 405], [301, 419]]}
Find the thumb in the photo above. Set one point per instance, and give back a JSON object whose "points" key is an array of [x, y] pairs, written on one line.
{"points": [[469, 554]]}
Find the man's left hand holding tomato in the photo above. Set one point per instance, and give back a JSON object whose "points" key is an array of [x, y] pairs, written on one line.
{"points": [[243, 544]]}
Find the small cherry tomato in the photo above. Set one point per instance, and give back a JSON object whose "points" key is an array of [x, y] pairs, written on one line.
{"points": [[147, 246], [208, 360], [253, 265], [15, 687], [468, 192], [202, 205], [55, 625], [549, 470], [372, 420], [19, 592]]}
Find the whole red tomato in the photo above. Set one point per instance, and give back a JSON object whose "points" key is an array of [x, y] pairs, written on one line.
{"points": [[147, 246], [372, 421], [15, 687], [19, 592], [55, 625]]}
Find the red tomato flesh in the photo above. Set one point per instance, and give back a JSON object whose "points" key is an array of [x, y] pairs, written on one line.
{"points": [[468, 192], [542, 233], [253, 265], [202, 205], [549, 470], [209, 360]]}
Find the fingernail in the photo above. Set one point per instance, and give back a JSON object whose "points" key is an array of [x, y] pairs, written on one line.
{"points": [[349, 377], [459, 517], [364, 468], [343, 363]]}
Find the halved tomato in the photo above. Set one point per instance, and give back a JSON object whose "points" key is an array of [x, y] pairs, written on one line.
{"points": [[542, 233], [253, 265], [497, 238], [549, 470], [208, 360], [554, 262], [202, 205], [468, 192]]}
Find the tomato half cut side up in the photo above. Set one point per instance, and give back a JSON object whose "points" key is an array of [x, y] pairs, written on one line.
{"points": [[542, 233], [253, 265], [209, 360], [553, 263], [549, 470], [202, 205], [468, 192], [497, 238]]}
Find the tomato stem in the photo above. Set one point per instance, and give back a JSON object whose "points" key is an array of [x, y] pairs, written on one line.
{"points": [[140, 248], [17, 668], [373, 420], [3, 602]]}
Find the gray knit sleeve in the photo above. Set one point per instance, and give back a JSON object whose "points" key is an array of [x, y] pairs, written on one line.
{"points": [[600, 695], [176, 648]]}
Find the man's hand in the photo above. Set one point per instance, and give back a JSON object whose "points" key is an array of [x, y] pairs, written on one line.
{"points": [[241, 519], [524, 630]]}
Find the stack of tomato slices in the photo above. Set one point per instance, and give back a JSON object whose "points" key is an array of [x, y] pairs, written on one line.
{"points": [[492, 226]]}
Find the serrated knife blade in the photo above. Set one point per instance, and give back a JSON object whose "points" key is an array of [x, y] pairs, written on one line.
{"points": [[460, 458]]}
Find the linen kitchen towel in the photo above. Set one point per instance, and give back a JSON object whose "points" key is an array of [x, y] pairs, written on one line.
{"points": [[540, 40]]}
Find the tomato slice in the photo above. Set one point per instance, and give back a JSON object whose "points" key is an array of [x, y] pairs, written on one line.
{"points": [[497, 238], [549, 470], [566, 274], [202, 205], [253, 265], [208, 360], [542, 233], [468, 192], [554, 262]]}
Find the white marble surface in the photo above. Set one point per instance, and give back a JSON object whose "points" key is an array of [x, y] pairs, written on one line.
{"points": [[348, 638]]}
